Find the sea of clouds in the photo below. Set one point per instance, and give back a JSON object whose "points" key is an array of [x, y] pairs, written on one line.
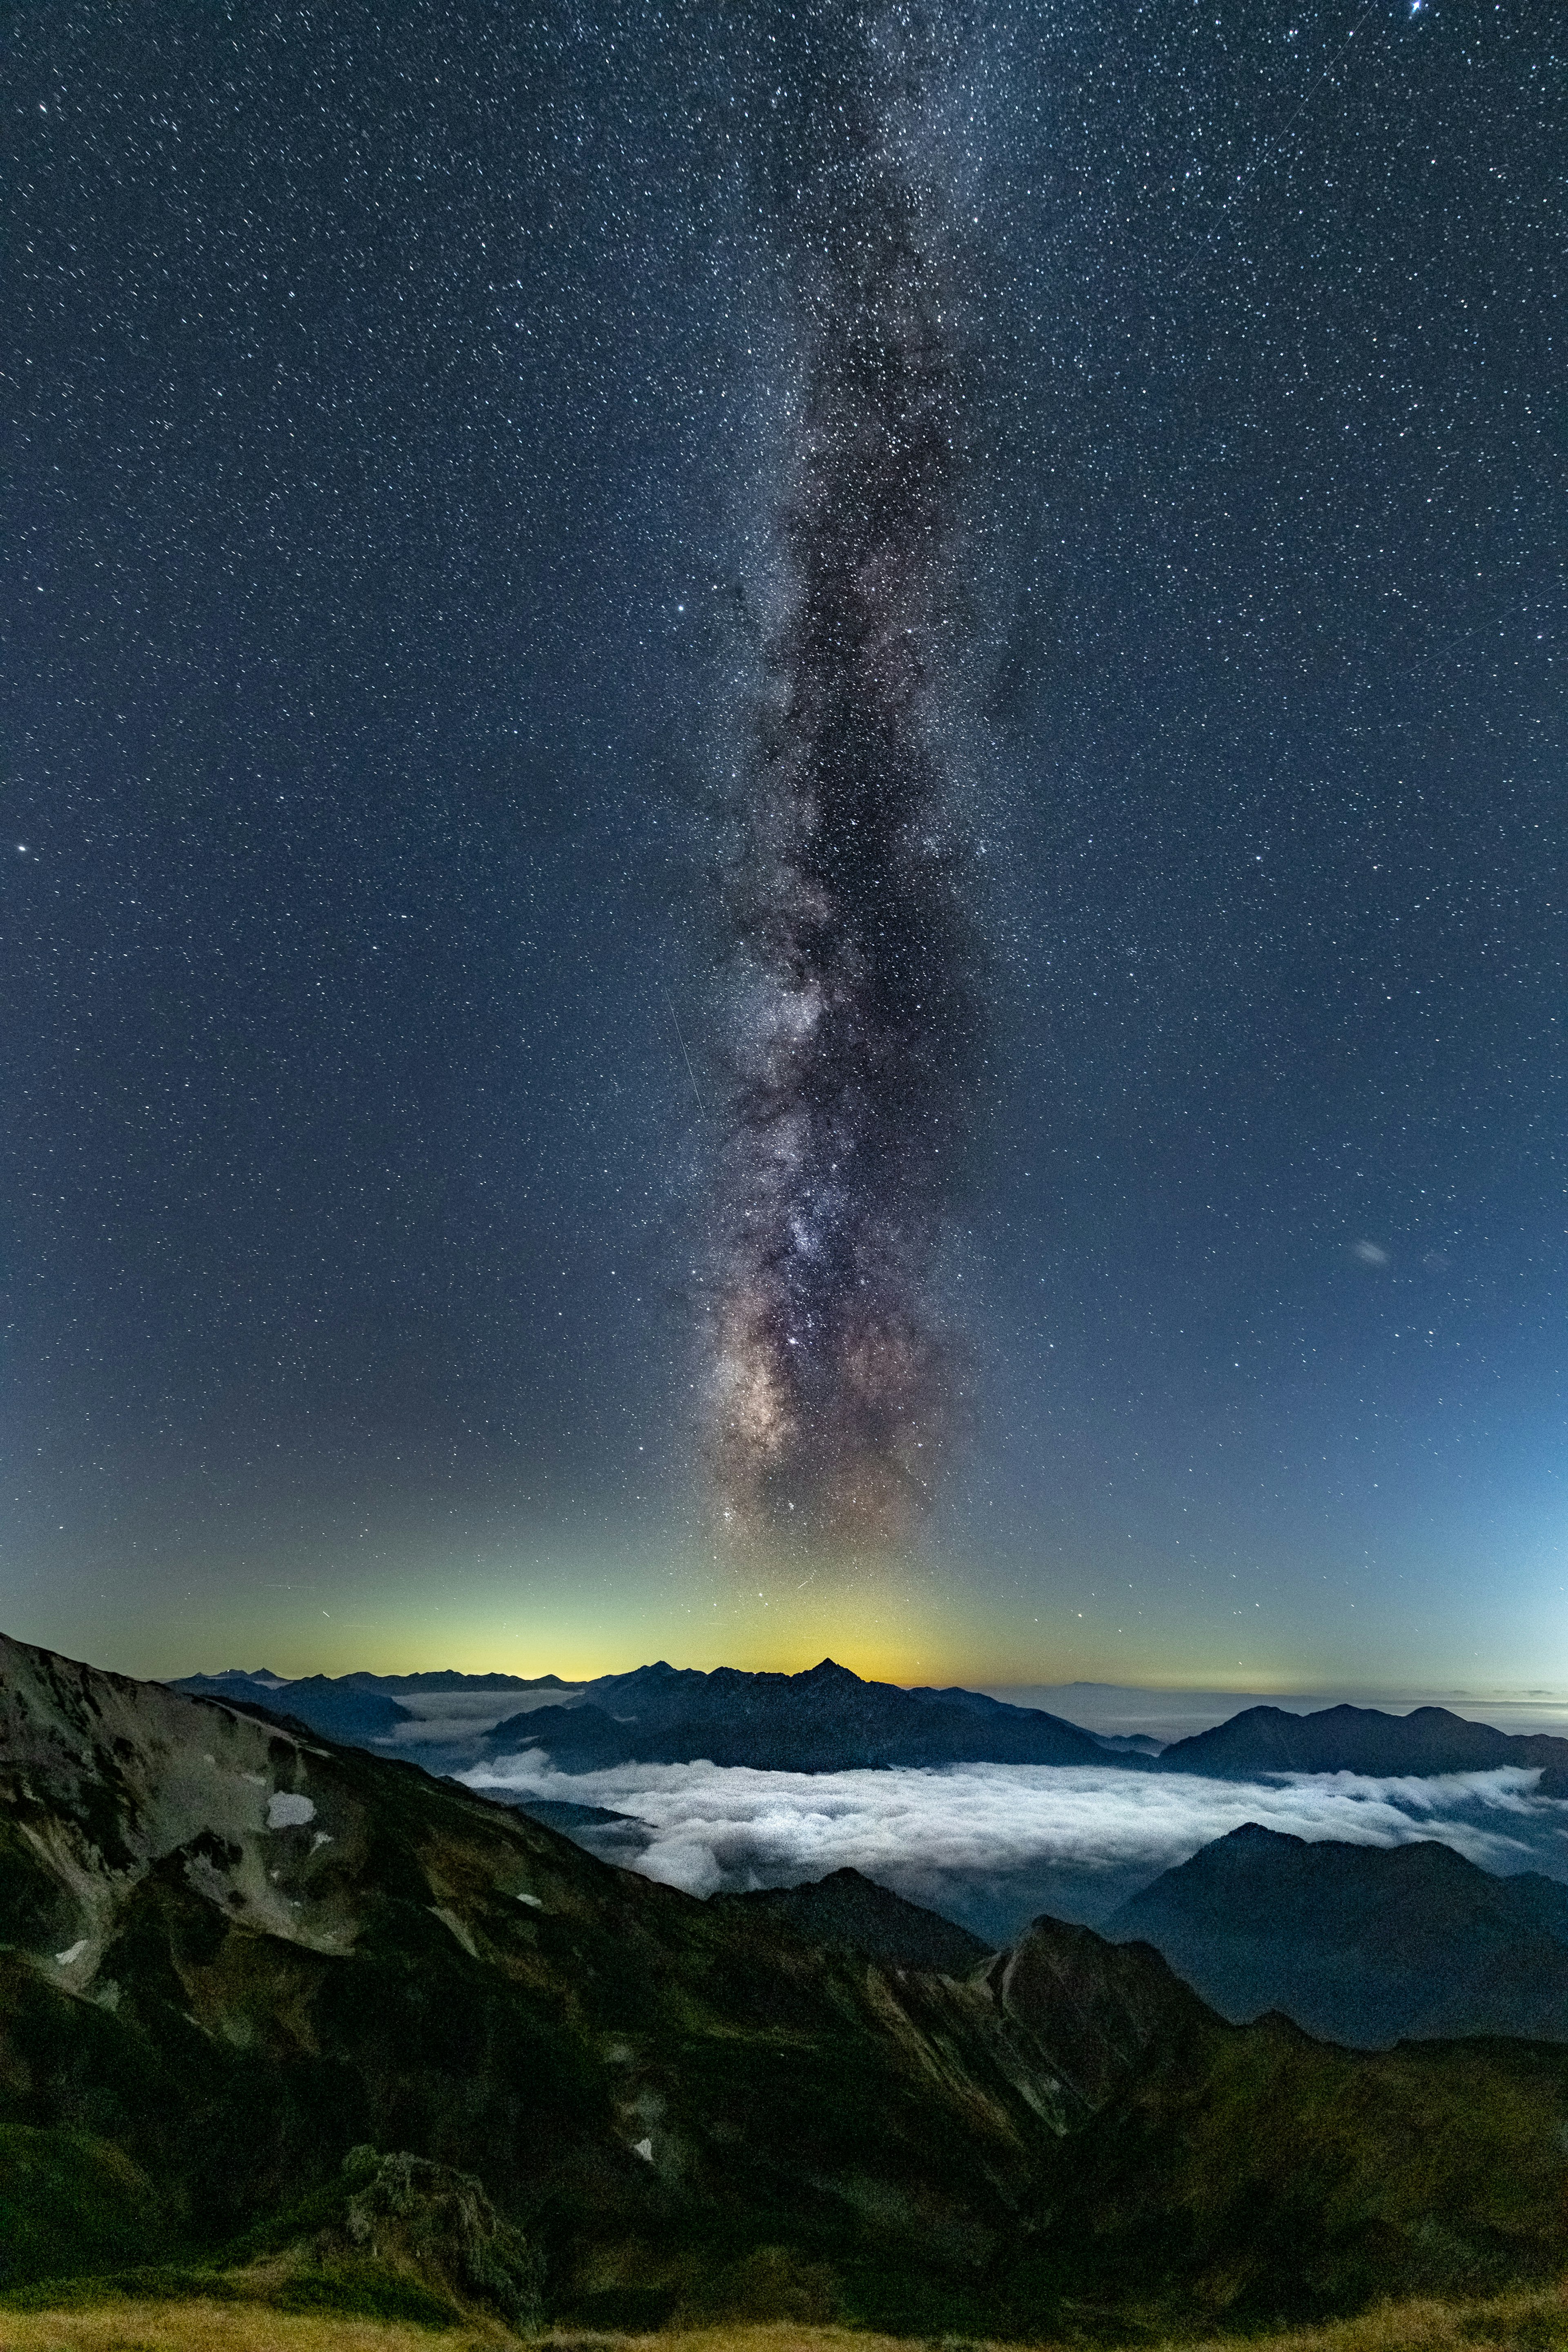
{"points": [[992, 1845]]}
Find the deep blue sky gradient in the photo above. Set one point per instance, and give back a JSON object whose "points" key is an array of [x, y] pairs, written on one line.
{"points": [[394, 409]]}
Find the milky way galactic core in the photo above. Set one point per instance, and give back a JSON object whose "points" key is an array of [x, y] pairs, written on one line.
{"points": [[855, 1040]]}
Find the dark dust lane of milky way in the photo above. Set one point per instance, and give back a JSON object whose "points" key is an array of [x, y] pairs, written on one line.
{"points": [[856, 1010]]}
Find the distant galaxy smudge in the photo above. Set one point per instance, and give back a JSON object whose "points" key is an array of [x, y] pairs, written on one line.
{"points": [[856, 1036]]}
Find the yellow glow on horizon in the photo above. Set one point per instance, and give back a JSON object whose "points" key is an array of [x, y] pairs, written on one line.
{"points": [[583, 1610]]}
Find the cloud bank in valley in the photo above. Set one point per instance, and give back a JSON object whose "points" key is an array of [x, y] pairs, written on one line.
{"points": [[993, 1844]]}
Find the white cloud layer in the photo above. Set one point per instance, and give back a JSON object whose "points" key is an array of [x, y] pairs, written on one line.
{"points": [[455, 1718], [992, 1843]]}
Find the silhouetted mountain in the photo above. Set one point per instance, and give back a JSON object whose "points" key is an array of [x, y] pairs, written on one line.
{"points": [[559, 1813], [825, 1720], [362, 1709], [437, 1679], [441, 1680], [1367, 1944], [232, 1683], [848, 1910], [353, 1710], [582, 1737], [829, 1720], [1363, 1740]]}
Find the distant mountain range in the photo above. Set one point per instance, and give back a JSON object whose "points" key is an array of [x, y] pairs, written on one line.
{"points": [[829, 1720], [233, 1955], [1264, 1740], [1365, 1945], [362, 1709], [826, 1720]]}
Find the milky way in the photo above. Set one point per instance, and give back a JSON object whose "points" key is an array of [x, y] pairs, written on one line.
{"points": [[851, 968]]}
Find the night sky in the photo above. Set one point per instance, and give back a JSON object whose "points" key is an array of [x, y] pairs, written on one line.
{"points": [[457, 459]]}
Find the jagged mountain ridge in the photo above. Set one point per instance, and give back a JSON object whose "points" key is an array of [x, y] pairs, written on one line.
{"points": [[829, 1719], [365, 1710], [1367, 1944], [232, 1681], [826, 1719], [217, 1934]]}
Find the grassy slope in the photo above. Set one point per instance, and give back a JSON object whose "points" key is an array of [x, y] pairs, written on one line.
{"points": [[1518, 2323], [1283, 2179]]}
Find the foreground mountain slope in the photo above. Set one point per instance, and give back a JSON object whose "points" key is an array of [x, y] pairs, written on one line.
{"points": [[1365, 1944], [233, 1954]]}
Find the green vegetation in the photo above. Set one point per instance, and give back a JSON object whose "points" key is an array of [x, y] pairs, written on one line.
{"points": [[69, 2201], [364, 2290]]}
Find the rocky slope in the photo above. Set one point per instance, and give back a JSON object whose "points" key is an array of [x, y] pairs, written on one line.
{"points": [[233, 1954]]}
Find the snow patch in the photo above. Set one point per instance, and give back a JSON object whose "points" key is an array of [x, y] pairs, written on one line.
{"points": [[644, 2148], [286, 1812], [74, 1952]]}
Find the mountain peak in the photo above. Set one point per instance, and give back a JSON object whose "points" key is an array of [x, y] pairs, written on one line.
{"points": [[846, 1908], [1365, 1944]]}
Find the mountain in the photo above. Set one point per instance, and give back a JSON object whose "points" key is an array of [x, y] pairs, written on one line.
{"points": [[561, 1814], [825, 1720], [1428, 1739], [346, 1710], [232, 1681], [231, 1956], [442, 1681], [613, 1837], [854, 1913], [829, 1720], [1365, 1944], [233, 1678], [361, 1710]]}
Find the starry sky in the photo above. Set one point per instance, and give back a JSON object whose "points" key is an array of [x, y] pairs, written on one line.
{"points": [[409, 423]]}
